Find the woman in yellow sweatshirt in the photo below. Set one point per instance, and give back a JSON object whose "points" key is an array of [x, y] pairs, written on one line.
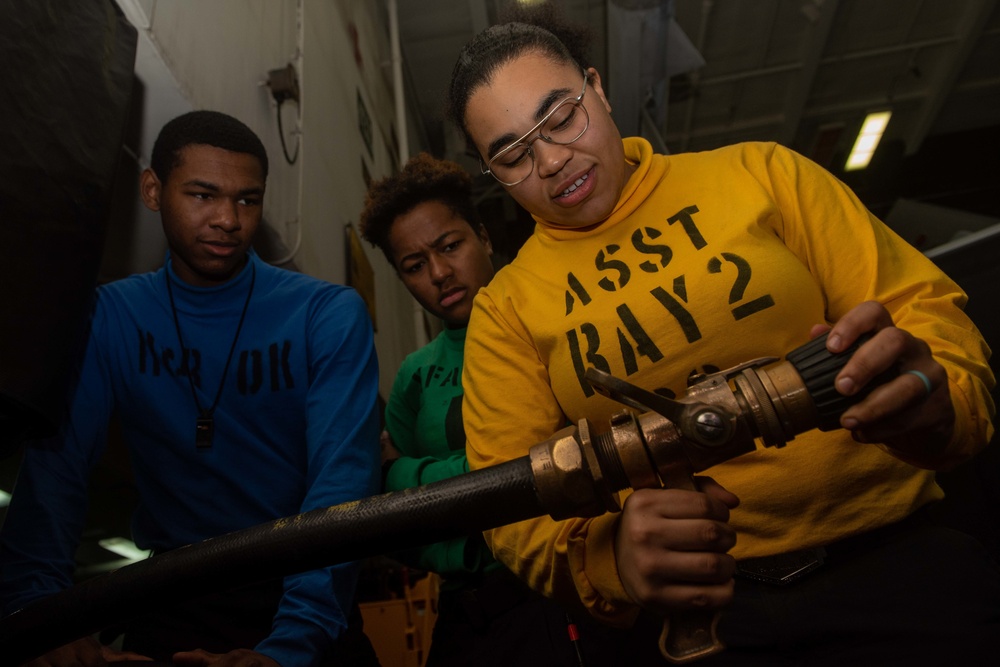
{"points": [[656, 267]]}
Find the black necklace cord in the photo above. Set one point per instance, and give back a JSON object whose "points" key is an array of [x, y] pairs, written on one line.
{"points": [[205, 426]]}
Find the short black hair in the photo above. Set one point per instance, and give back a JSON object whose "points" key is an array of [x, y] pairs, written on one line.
{"points": [[207, 128], [424, 178]]}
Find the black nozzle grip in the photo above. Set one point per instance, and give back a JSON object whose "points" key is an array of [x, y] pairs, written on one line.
{"points": [[818, 368]]}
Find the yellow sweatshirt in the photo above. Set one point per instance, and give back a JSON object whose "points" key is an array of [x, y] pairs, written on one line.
{"points": [[709, 260]]}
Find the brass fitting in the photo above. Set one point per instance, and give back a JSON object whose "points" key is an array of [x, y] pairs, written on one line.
{"points": [[568, 479]]}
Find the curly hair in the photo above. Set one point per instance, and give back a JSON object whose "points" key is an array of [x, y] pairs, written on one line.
{"points": [[523, 29], [208, 128], [423, 178]]}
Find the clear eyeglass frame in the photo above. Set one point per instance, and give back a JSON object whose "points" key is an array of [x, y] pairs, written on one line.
{"points": [[577, 101]]}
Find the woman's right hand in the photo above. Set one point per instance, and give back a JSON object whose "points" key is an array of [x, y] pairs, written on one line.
{"points": [[671, 547]]}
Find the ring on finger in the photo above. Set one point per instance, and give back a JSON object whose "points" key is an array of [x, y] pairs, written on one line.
{"points": [[923, 378]]}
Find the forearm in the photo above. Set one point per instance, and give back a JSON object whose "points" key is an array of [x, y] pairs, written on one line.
{"points": [[409, 471], [919, 298], [40, 532], [311, 616]]}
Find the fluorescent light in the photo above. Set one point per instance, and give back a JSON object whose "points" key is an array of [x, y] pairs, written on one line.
{"points": [[124, 548], [4, 498], [867, 141]]}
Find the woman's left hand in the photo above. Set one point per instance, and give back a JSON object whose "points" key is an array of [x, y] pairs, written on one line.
{"points": [[911, 414]]}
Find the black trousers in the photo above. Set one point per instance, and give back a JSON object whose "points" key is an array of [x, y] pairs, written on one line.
{"points": [[914, 594], [223, 622], [500, 622]]}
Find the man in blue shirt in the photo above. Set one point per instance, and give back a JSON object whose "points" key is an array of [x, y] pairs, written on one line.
{"points": [[245, 393]]}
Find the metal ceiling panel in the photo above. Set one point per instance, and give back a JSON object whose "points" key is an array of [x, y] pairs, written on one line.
{"points": [[801, 72]]}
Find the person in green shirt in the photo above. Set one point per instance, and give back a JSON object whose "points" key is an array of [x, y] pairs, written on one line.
{"points": [[424, 221]]}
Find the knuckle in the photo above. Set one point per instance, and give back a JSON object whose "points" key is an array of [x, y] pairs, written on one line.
{"points": [[641, 499], [896, 337], [640, 533], [703, 505], [922, 346], [708, 597], [643, 566], [714, 568], [938, 375], [709, 533], [714, 533], [700, 600]]}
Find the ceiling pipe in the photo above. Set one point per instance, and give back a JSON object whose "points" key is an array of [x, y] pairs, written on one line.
{"points": [[402, 135], [699, 44], [399, 91]]}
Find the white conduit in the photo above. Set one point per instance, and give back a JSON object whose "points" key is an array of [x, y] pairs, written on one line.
{"points": [[403, 136]]}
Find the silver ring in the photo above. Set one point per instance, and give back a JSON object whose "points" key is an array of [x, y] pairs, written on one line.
{"points": [[923, 378]]}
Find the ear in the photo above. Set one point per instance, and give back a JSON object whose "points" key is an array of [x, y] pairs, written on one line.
{"points": [[595, 83], [150, 189]]}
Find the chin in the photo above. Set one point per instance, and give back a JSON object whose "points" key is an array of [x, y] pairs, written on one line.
{"points": [[456, 320]]}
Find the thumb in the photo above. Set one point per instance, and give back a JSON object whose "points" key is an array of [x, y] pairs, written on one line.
{"points": [[710, 487]]}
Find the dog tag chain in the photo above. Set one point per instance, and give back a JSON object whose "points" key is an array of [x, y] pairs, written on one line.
{"points": [[205, 424]]}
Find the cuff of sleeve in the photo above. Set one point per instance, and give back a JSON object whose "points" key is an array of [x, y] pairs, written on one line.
{"points": [[606, 599], [971, 431]]}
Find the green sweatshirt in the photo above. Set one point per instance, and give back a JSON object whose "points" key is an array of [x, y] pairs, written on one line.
{"points": [[424, 419]]}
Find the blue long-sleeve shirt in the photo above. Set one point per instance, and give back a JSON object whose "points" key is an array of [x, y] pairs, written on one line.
{"points": [[296, 428]]}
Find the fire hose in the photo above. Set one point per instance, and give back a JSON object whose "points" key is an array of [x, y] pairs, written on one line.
{"points": [[574, 473]]}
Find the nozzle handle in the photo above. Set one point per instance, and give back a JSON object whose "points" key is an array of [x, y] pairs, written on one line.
{"points": [[818, 368], [691, 634]]}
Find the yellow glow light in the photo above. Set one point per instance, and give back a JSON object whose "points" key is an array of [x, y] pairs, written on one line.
{"points": [[867, 141]]}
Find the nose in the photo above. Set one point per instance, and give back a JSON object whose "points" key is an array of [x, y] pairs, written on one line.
{"points": [[440, 269], [550, 158], [227, 215]]}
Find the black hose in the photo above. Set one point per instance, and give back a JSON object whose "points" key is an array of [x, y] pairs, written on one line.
{"points": [[462, 505]]}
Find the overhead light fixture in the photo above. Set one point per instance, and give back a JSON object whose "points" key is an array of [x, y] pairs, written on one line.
{"points": [[867, 141]]}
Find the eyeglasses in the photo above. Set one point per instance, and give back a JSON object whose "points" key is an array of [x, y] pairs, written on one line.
{"points": [[563, 125]]}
